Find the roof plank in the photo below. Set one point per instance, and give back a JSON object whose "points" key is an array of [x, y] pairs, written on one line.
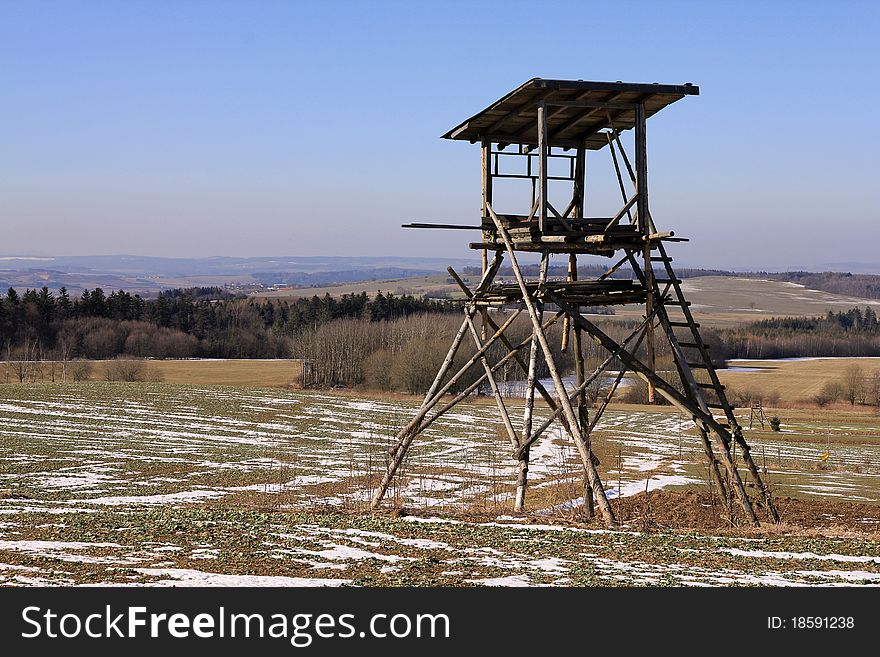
{"points": [[512, 118]]}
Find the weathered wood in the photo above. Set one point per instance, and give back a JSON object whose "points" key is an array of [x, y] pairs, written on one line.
{"points": [[572, 113], [582, 408], [678, 400], [566, 323], [455, 378], [624, 210], [511, 355], [528, 406], [574, 429], [581, 387], [490, 377], [519, 361], [542, 168], [440, 226], [647, 229], [411, 430], [487, 199], [619, 176], [447, 362]]}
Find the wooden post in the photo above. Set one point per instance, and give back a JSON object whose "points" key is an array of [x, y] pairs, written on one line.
{"points": [[587, 380], [574, 429], [411, 430], [645, 227], [701, 417], [487, 200], [502, 409], [577, 204], [583, 411], [523, 462], [543, 149], [427, 406]]}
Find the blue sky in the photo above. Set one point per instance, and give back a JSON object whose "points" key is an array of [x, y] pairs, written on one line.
{"points": [[266, 128]]}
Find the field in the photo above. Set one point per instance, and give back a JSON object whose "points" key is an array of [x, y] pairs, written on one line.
{"points": [[418, 285], [793, 380], [278, 372], [201, 485], [716, 300]]}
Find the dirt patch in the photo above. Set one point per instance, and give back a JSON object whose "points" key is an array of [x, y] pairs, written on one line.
{"points": [[697, 510]]}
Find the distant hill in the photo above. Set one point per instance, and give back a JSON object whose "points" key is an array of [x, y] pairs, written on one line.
{"points": [[148, 275]]}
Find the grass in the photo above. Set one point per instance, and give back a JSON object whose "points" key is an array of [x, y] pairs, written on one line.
{"points": [[111, 482], [795, 381], [281, 373]]}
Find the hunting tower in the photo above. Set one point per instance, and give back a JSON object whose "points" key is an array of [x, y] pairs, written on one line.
{"points": [[548, 126]]}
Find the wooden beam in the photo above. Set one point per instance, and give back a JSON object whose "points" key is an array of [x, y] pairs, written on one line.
{"points": [[671, 394], [574, 429], [528, 406], [542, 168]]}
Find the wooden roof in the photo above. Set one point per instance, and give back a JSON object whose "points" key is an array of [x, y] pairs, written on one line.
{"points": [[576, 111]]}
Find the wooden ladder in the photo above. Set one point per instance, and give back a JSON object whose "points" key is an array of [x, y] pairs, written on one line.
{"points": [[700, 358]]}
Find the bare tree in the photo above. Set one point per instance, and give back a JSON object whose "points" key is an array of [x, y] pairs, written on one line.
{"points": [[65, 347], [81, 370], [853, 383]]}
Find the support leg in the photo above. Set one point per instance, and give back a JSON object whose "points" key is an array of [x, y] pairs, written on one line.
{"points": [[592, 474], [523, 462]]}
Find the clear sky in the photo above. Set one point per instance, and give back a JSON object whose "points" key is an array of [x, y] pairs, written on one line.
{"points": [[190, 128]]}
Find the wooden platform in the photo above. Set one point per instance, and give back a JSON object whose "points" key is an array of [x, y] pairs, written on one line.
{"points": [[609, 292]]}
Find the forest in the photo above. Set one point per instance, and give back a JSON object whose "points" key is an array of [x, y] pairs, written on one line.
{"points": [[385, 341], [180, 323], [854, 332]]}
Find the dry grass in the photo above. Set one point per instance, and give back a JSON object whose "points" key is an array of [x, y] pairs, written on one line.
{"points": [[794, 380], [280, 373]]}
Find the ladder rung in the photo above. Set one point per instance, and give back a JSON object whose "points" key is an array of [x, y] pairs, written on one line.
{"points": [[684, 324], [715, 405], [693, 345], [701, 366], [667, 280], [678, 303], [712, 386], [660, 259]]}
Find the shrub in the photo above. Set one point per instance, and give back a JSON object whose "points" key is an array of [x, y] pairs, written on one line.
{"points": [[775, 423], [81, 370], [831, 392], [131, 370], [415, 366], [377, 370], [637, 393]]}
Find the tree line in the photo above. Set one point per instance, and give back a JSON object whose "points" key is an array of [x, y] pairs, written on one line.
{"points": [[853, 332], [180, 323]]}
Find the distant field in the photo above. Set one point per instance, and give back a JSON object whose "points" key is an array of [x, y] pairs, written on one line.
{"points": [[415, 285], [792, 380], [716, 300], [724, 300], [274, 373]]}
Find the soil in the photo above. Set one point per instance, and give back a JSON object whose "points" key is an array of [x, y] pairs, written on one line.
{"points": [[697, 510]]}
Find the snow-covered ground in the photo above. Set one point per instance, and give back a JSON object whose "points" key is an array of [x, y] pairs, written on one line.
{"points": [[70, 453]]}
